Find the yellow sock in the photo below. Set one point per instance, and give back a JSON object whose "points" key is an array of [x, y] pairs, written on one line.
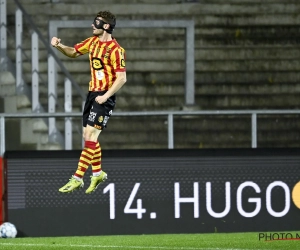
{"points": [[96, 162], [87, 154]]}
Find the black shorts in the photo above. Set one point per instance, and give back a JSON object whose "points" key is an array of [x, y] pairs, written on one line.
{"points": [[95, 114]]}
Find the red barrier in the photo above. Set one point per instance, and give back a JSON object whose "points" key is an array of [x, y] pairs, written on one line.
{"points": [[2, 191]]}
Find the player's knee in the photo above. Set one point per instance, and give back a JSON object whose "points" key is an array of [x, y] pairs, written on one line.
{"points": [[87, 137], [91, 134]]}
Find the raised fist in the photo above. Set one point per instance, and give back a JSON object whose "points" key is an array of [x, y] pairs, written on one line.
{"points": [[55, 41]]}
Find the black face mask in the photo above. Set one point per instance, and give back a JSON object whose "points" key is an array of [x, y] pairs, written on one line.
{"points": [[99, 24]]}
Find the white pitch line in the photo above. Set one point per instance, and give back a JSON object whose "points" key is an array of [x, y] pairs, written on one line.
{"points": [[132, 247]]}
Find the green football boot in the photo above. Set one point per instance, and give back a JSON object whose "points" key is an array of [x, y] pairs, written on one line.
{"points": [[95, 181], [72, 185]]}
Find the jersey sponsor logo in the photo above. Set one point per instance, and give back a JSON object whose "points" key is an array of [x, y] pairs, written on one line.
{"points": [[97, 64], [106, 55], [105, 120], [107, 52], [123, 63], [92, 116], [100, 75], [97, 127]]}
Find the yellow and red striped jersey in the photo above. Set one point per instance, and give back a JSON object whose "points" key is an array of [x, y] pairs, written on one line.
{"points": [[106, 58]]}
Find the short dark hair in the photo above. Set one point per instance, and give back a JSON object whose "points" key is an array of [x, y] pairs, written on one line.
{"points": [[107, 17]]}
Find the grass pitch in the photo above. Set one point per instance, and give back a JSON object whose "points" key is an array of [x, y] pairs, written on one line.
{"points": [[216, 241]]}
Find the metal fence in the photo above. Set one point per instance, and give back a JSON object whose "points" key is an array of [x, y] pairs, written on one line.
{"points": [[169, 114]]}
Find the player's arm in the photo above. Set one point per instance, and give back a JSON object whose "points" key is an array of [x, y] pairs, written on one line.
{"points": [[119, 82], [66, 50]]}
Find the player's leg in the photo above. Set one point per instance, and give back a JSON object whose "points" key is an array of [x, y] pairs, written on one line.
{"points": [[96, 162], [86, 156], [103, 113], [98, 175]]}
